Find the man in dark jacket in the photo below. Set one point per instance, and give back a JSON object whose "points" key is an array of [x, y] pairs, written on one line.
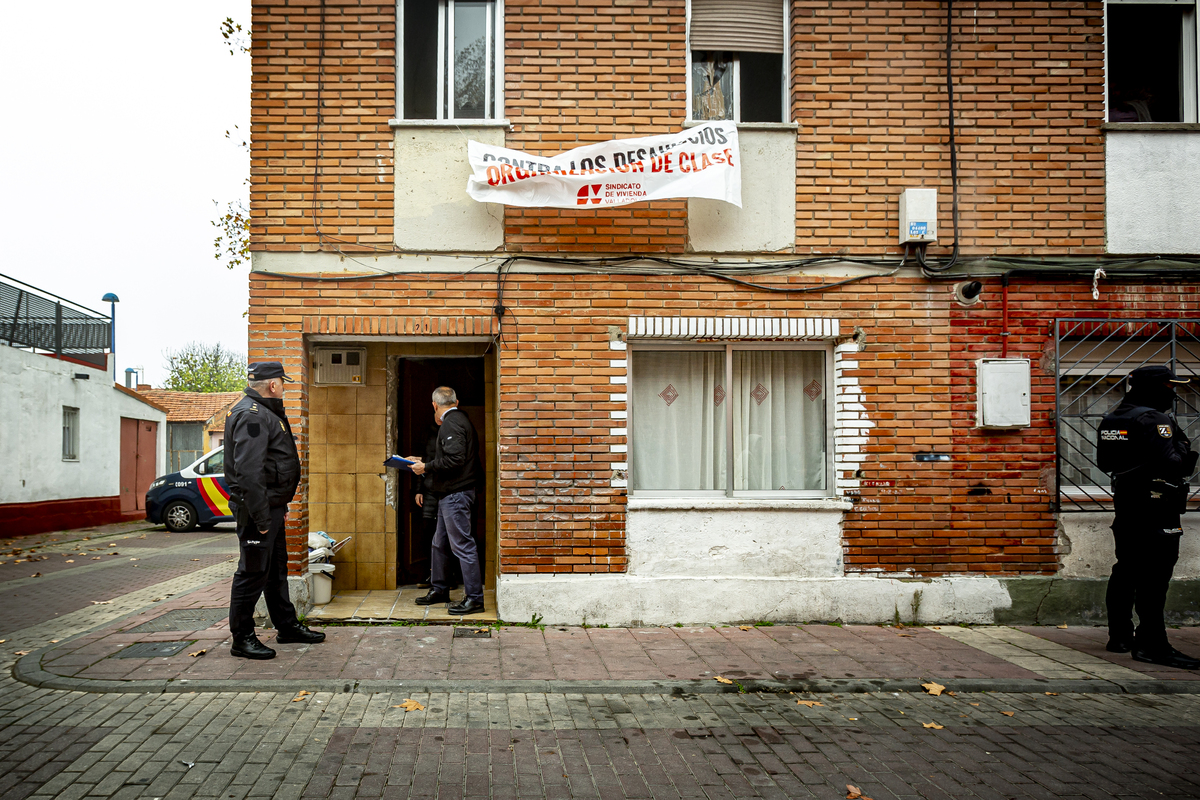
{"points": [[1150, 459], [452, 475], [262, 471]]}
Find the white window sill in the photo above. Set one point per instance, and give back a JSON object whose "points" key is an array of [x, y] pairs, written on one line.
{"points": [[750, 126], [1151, 127], [449, 123], [738, 504]]}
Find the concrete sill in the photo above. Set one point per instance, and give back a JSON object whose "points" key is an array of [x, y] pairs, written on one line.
{"points": [[449, 123], [737, 504], [1151, 127], [790, 127]]}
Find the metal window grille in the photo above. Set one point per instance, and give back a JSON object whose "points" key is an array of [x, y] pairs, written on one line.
{"points": [[70, 434], [38, 320], [1093, 357]]}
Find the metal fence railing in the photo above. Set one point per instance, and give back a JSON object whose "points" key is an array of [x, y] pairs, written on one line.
{"points": [[1093, 357], [39, 320]]}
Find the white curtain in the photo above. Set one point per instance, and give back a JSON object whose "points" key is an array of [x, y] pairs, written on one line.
{"points": [[678, 405], [779, 399]]}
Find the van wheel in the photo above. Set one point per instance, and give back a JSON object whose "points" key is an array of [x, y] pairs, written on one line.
{"points": [[179, 517]]}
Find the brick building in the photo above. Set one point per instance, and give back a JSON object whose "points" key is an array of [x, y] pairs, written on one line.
{"points": [[698, 412]]}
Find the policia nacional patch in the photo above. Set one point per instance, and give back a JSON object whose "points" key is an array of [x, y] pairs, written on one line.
{"points": [[1164, 431]]}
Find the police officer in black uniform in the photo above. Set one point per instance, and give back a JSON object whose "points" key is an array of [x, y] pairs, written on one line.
{"points": [[1150, 458], [262, 471]]}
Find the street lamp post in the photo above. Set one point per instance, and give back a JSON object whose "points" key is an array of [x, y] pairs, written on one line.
{"points": [[112, 301]]}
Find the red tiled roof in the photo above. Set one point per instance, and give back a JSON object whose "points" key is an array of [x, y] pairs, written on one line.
{"points": [[191, 406]]}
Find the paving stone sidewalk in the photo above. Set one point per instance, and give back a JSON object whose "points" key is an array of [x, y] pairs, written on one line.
{"points": [[194, 628]]}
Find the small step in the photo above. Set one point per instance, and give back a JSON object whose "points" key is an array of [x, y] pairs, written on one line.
{"points": [[387, 606]]}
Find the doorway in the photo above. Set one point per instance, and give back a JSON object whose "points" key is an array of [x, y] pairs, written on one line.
{"points": [[418, 377]]}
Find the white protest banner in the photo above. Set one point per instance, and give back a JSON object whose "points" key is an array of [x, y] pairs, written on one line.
{"points": [[699, 162]]}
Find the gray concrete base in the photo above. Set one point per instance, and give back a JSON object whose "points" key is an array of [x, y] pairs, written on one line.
{"points": [[299, 592], [1080, 601]]}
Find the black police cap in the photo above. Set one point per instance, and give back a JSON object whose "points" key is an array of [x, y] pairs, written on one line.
{"points": [[265, 370], [1154, 373]]}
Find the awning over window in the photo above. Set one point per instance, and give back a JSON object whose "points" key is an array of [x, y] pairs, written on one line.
{"points": [[754, 26]]}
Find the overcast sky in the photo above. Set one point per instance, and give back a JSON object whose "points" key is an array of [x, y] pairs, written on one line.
{"points": [[112, 151]]}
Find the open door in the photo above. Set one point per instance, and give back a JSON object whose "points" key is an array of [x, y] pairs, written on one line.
{"points": [[418, 378]]}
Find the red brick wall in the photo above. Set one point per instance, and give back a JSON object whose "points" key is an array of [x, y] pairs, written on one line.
{"points": [[868, 82], [358, 97], [868, 86]]}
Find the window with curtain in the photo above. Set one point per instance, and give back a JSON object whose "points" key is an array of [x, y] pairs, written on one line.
{"points": [[736, 50], [686, 402]]}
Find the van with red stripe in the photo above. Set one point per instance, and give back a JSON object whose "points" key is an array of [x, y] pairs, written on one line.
{"points": [[194, 496]]}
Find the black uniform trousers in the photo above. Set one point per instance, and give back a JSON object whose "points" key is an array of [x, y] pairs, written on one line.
{"points": [[262, 570], [1145, 560]]}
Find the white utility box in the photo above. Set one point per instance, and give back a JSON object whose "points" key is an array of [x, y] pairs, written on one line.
{"points": [[918, 216], [1002, 393], [339, 366]]}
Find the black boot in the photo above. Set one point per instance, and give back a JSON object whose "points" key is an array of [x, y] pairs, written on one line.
{"points": [[434, 596], [466, 606], [1165, 655], [250, 647], [298, 634]]}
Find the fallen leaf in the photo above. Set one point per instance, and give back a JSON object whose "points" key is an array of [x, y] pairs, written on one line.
{"points": [[853, 792], [19, 561], [157, 599], [720, 679], [936, 627], [195, 559], [907, 635], [143, 536], [1064, 627], [1052, 694], [302, 694], [102, 602], [933, 725], [95, 558], [2, 641], [24, 652], [198, 653], [809, 703], [36, 575], [55, 641], [952, 694], [114, 553], [972, 704], [934, 689], [410, 705], [852, 719], [112, 544], [70, 561], [744, 627], [133, 559], [1008, 713]]}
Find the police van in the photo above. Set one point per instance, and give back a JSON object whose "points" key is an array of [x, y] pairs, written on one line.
{"points": [[194, 496]]}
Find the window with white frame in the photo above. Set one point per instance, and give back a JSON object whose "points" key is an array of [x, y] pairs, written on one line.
{"points": [[734, 418], [450, 57], [70, 434], [737, 56], [1152, 65]]}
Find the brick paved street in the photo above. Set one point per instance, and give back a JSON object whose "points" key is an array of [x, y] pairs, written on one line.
{"points": [[234, 732]]}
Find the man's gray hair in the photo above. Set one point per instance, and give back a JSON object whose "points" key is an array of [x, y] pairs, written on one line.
{"points": [[260, 386], [445, 396]]}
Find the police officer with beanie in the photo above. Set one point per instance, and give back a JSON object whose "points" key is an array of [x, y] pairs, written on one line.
{"points": [[1150, 459], [262, 471]]}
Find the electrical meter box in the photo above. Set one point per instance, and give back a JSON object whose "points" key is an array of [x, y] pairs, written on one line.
{"points": [[918, 216], [1002, 393], [339, 366]]}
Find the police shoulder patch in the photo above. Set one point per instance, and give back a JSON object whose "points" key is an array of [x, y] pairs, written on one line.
{"points": [[253, 429], [1164, 431]]}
